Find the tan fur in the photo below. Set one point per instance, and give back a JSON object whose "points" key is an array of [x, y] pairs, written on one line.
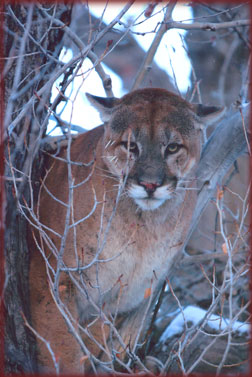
{"points": [[144, 236]]}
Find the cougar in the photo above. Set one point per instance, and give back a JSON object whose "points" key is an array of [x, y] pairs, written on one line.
{"points": [[113, 212]]}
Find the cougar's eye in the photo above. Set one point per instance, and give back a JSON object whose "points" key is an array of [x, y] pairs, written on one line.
{"points": [[172, 148], [133, 148]]}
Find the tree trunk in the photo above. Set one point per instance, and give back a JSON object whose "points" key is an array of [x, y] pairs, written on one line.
{"points": [[23, 77]]}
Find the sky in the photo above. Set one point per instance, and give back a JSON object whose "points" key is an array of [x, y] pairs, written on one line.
{"points": [[170, 52]]}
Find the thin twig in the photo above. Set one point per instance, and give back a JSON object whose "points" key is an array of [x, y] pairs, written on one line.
{"points": [[154, 46], [43, 340], [63, 69], [106, 80]]}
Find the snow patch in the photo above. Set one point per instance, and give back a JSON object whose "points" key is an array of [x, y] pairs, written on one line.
{"points": [[195, 315]]}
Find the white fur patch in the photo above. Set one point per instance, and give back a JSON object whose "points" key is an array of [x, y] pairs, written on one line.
{"points": [[142, 199], [149, 204]]}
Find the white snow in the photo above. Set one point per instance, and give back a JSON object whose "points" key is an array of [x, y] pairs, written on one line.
{"points": [[195, 314]]}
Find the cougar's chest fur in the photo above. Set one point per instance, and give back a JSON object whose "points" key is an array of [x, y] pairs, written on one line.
{"points": [[136, 248], [144, 249]]}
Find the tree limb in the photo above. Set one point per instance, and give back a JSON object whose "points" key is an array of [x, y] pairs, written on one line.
{"points": [[209, 26], [106, 80], [62, 70], [225, 145], [154, 46]]}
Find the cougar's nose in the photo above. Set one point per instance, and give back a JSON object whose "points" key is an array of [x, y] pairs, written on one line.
{"points": [[149, 187]]}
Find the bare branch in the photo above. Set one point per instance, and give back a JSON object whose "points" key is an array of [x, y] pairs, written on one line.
{"points": [[222, 149], [207, 26], [62, 70], [106, 80], [146, 66], [48, 346]]}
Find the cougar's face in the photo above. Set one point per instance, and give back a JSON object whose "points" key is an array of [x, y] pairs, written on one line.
{"points": [[154, 144]]}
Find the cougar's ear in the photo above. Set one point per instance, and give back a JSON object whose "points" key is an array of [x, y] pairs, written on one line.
{"points": [[103, 104], [208, 114]]}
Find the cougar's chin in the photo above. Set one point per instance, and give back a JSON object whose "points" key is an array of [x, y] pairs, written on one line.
{"points": [[149, 204]]}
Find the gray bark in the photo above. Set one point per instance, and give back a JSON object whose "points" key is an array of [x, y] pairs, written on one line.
{"points": [[34, 70], [222, 149]]}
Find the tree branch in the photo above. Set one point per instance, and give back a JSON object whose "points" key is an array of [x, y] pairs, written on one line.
{"points": [[225, 145], [62, 70], [154, 46], [208, 26], [106, 80]]}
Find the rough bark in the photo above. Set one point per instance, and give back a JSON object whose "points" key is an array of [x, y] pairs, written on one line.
{"points": [[34, 71]]}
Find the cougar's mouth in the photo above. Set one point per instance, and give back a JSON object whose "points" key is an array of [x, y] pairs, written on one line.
{"points": [[149, 200]]}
